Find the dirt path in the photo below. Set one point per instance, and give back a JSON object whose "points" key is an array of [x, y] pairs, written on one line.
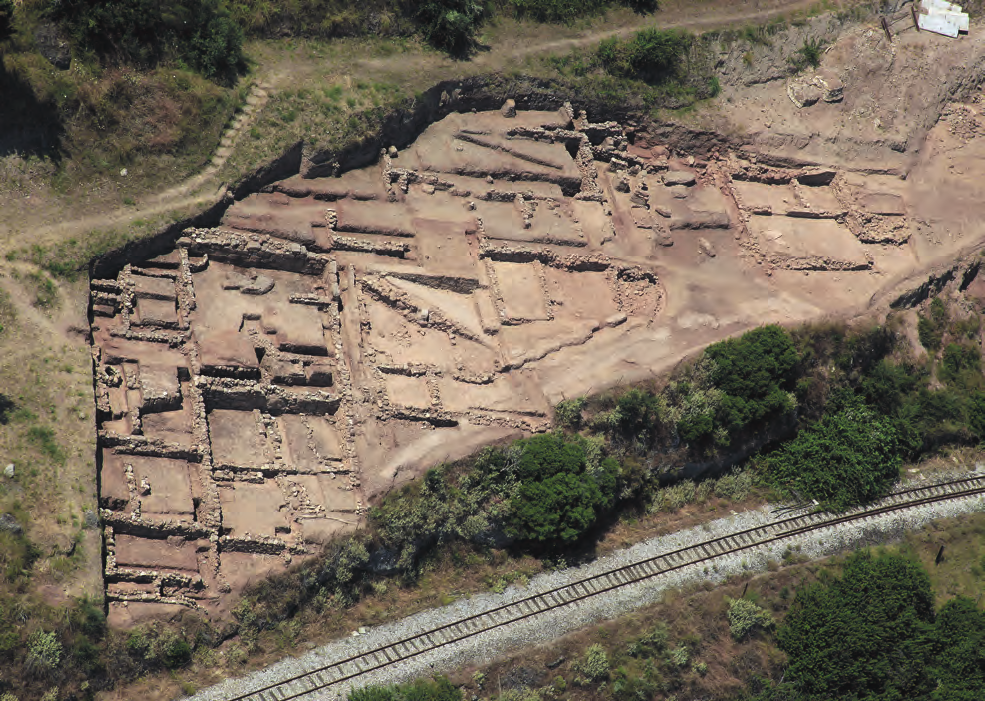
{"points": [[202, 189], [698, 24], [197, 190]]}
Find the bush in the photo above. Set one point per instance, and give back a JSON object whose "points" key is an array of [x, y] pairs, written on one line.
{"points": [[450, 25], [744, 616], [962, 365], [437, 689], [861, 636], [174, 651], [808, 55], [197, 33], [650, 644], [556, 10], [846, 459], [756, 372], [44, 651], [653, 55], [567, 414], [558, 499], [595, 664]]}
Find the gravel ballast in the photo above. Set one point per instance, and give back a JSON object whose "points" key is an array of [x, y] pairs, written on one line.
{"points": [[487, 646]]}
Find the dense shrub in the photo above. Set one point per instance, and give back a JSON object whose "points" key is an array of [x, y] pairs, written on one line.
{"points": [[961, 365], [199, 34], [860, 636], [756, 372], [44, 652], [450, 24], [652, 55], [847, 458], [567, 414], [744, 617], [595, 664], [931, 328], [559, 498]]}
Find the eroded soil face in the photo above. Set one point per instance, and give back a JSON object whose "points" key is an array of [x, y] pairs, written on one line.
{"points": [[258, 386]]}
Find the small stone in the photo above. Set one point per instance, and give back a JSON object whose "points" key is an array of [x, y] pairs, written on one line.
{"points": [[427, 189], [393, 152], [679, 177], [9, 523], [9, 470], [509, 109]]}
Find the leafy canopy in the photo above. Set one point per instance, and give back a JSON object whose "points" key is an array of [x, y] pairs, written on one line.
{"points": [[199, 34], [872, 635], [558, 498], [847, 458], [755, 371]]}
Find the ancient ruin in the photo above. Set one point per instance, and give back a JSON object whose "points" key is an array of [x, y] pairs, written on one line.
{"points": [[261, 383]]}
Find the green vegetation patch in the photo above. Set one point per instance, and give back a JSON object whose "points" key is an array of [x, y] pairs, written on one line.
{"points": [[655, 68], [873, 633], [199, 34], [847, 458], [437, 689]]}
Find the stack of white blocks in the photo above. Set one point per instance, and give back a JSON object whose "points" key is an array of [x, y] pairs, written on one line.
{"points": [[942, 17]]}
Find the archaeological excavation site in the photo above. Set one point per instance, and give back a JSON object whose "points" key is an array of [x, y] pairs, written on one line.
{"points": [[263, 382]]}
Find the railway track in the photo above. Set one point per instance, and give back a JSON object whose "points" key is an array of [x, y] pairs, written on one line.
{"points": [[317, 683]]}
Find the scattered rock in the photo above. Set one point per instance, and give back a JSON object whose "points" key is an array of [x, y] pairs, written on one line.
{"points": [[831, 86], [393, 152], [509, 109], [261, 286], [556, 663], [679, 192], [663, 239], [679, 177], [803, 94], [9, 470]]}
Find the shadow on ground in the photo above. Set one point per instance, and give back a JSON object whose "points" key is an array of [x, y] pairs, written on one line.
{"points": [[28, 126]]}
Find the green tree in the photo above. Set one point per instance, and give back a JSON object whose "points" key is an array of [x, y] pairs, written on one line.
{"points": [[756, 372], [861, 636], [846, 459], [558, 498], [450, 25], [198, 33]]}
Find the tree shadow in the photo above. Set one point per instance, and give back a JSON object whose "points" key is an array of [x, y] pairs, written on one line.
{"points": [[6, 406], [28, 126]]}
